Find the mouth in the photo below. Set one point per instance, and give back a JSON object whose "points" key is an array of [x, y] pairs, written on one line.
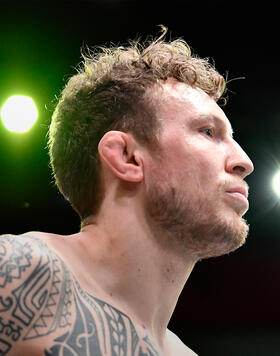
{"points": [[240, 194], [239, 190]]}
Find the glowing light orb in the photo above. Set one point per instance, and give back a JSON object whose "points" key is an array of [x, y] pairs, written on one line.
{"points": [[19, 113], [276, 183]]}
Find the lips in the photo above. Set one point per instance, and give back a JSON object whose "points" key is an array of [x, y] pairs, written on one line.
{"points": [[238, 197], [239, 190]]}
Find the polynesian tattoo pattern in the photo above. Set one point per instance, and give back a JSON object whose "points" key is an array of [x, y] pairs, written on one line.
{"points": [[47, 299]]}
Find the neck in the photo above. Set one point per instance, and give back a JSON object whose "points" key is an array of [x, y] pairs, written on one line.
{"points": [[133, 271]]}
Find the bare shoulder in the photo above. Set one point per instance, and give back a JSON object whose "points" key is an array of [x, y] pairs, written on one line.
{"points": [[18, 254], [30, 279], [45, 311], [177, 346]]}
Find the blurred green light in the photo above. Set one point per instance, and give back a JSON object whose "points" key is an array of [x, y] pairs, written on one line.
{"points": [[19, 113], [276, 183]]}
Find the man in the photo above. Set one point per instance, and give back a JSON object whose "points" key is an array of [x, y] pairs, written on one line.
{"points": [[144, 154]]}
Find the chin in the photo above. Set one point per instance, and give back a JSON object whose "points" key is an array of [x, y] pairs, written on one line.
{"points": [[198, 227], [225, 237], [238, 206]]}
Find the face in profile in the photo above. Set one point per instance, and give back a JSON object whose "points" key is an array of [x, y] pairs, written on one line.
{"points": [[195, 189]]}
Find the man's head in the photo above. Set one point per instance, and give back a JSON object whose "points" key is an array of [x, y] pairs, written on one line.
{"points": [[116, 89]]}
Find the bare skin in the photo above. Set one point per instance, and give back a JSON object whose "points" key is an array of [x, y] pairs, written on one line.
{"points": [[111, 289]]}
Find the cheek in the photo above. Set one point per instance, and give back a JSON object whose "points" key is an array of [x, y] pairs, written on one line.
{"points": [[202, 175], [190, 163]]}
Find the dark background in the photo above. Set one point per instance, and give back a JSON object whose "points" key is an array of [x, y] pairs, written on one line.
{"points": [[230, 305]]}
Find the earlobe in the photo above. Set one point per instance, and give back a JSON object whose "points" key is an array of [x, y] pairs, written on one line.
{"points": [[118, 150]]}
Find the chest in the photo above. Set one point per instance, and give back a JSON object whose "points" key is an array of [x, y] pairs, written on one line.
{"points": [[74, 323]]}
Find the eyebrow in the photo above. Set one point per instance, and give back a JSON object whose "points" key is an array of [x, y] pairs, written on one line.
{"points": [[215, 120]]}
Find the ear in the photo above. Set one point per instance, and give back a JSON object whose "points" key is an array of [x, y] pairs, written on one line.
{"points": [[118, 150]]}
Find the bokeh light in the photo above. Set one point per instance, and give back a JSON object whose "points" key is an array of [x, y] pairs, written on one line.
{"points": [[276, 183], [19, 113]]}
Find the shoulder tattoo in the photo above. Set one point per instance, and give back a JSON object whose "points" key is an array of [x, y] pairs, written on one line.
{"points": [[39, 297]]}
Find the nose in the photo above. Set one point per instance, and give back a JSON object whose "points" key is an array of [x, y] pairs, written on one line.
{"points": [[238, 162]]}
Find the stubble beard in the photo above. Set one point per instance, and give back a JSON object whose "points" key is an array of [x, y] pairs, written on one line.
{"points": [[193, 227]]}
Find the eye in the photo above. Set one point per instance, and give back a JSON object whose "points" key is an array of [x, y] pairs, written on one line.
{"points": [[208, 132]]}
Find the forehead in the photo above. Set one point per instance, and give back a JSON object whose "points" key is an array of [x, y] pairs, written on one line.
{"points": [[183, 102]]}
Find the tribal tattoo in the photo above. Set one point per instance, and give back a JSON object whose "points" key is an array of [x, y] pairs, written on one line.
{"points": [[40, 297]]}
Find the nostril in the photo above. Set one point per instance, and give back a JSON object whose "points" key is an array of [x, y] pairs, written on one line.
{"points": [[239, 169]]}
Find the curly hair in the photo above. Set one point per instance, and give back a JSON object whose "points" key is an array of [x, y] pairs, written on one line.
{"points": [[108, 93]]}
